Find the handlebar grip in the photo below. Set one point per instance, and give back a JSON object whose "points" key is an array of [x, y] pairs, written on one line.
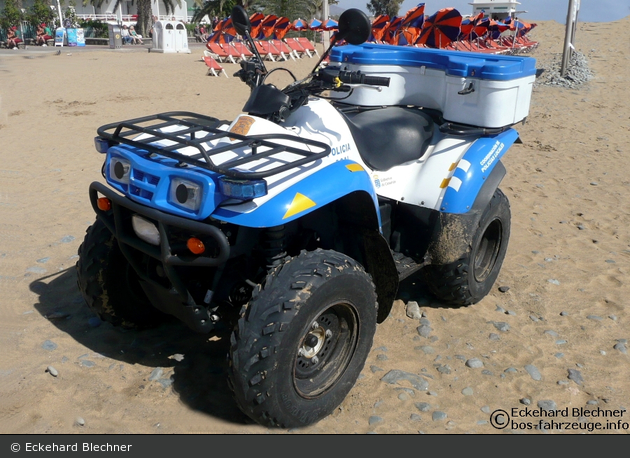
{"points": [[360, 78], [376, 80]]}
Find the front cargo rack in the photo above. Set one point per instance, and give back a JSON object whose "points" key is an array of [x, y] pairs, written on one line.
{"points": [[198, 131]]}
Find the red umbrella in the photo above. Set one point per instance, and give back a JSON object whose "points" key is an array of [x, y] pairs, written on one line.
{"points": [[268, 24], [441, 28], [473, 27], [496, 28], [256, 21], [224, 32], [281, 27], [390, 33], [379, 26], [316, 25], [299, 25], [330, 24], [411, 24]]}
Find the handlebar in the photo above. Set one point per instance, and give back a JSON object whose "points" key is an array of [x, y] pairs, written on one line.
{"points": [[359, 78], [332, 75]]}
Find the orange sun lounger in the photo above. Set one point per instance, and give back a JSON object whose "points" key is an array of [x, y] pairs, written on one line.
{"points": [[214, 68]]}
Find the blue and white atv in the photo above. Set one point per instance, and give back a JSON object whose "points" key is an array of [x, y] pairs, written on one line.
{"points": [[304, 213]]}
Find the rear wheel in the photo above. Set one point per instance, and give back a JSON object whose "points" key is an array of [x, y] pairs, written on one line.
{"points": [[470, 278], [303, 339], [109, 284]]}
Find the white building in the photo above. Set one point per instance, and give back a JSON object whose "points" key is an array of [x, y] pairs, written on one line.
{"points": [[123, 13], [498, 9]]}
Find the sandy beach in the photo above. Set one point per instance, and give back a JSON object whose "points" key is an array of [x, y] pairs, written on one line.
{"points": [[554, 337]]}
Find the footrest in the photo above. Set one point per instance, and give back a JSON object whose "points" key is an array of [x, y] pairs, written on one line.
{"points": [[406, 265]]}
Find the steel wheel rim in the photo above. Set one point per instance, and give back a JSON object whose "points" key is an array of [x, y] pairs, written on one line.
{"points": [[325, 350]]}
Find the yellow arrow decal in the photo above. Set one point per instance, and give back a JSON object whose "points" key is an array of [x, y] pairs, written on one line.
{"points": [[299, 204]]}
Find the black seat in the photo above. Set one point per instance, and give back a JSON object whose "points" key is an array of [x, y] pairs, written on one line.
{"points": [[390, 136]]}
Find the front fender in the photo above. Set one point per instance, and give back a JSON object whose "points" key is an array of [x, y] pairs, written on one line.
{"points": [[315, 191], [473, 170]]}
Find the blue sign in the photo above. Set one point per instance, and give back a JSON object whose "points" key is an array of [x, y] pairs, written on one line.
{"points": [[60, 36], [72, 37]]}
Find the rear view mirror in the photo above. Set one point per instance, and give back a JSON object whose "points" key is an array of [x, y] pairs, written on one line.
{"points": [[240, 20], [354, 26]]}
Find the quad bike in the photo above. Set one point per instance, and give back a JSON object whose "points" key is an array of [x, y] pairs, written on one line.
{"points": [[305, 212]]}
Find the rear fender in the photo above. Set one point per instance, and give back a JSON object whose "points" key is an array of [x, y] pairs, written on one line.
{"points": [[474, 170]]}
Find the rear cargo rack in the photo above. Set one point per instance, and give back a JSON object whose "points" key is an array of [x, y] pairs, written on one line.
{"points": [[198, 130]]}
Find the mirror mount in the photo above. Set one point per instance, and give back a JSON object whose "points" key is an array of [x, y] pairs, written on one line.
{"points": [[243, 27], [354, 27]]}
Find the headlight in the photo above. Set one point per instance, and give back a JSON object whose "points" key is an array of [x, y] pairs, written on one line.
{"points": [[119, 170], [185, 194], [145, 230], [242, 189]]}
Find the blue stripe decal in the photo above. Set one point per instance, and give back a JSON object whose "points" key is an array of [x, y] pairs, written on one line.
{"points": [[482, 156], [322, 187]]}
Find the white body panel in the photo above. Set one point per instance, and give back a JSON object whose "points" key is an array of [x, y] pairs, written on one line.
{"points": [[419, 182]]}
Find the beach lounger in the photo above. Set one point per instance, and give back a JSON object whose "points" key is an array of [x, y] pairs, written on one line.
{"points": [[306, 44], [214, 68], [282, 47], [242, 49], [221, 54], [267, 50], [297, 48], [233, 55]]}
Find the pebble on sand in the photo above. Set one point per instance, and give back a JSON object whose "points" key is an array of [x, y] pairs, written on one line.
{"points": [[576, 376], [395, 376], [49, 345], [533, 372], [474, 363], [52, 371]]}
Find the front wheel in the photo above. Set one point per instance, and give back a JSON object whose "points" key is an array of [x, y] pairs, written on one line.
{"points": [[109, 285], [469, 279], [303, 339]]}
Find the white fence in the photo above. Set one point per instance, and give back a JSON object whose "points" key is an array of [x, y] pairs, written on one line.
{"points": [[129, 18]]}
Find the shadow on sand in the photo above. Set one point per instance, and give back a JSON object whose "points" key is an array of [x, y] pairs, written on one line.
{"points": [[199, 379]]}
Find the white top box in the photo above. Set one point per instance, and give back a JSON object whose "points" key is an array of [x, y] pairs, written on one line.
{"points": [[468, 88]]}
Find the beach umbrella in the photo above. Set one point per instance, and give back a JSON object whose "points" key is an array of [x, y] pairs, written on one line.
{"points": [[519, 27], [390, 33], [268, 24], [299, 25], [411, 25], [224, 32], [379, 26], [315, 24], [330, 24], [441, 28], [473, 27], [256, 21], [280, 28], [496, 28]]}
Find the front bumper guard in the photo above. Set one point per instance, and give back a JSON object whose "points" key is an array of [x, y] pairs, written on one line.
{"points": [[177, 301]]}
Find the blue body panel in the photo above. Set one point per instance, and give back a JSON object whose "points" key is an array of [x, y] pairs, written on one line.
{"points": [[453, 63], [320, 188], [150, 180], [482, 155]]}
